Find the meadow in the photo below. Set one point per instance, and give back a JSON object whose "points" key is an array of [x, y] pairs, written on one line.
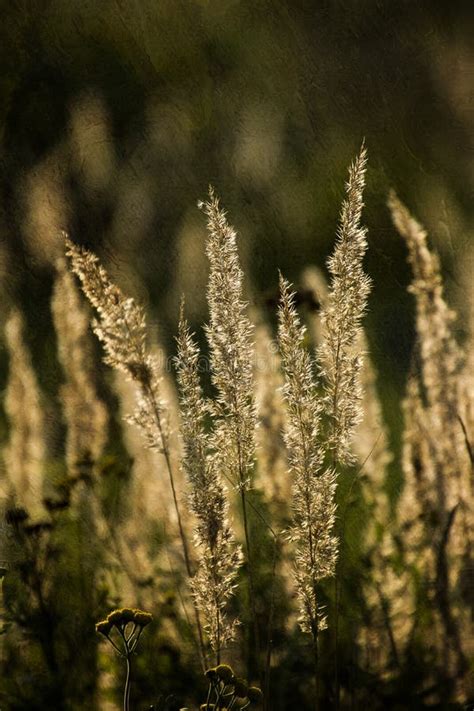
{"points": [[236, 355], [237, 511]]}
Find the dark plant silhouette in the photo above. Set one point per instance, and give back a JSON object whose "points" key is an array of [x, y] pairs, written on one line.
{"points": [[126, 624]]}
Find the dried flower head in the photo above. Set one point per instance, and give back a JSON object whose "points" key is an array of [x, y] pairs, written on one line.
{"points": [[103, 627], [254, 694], [225, 673]]}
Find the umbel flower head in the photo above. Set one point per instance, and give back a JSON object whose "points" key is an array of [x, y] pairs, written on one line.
{"points": [[103, 627], [128, 623], [229, 691], [121, 617]]}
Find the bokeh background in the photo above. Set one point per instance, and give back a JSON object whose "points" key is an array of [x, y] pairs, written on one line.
{"points": [[115, 116]]}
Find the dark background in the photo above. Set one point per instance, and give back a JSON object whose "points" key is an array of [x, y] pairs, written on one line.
{"points": [[115, 117]]}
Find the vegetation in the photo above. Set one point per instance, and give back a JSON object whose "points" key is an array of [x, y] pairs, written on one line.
{"points": [[263, 439], [253, 518]]}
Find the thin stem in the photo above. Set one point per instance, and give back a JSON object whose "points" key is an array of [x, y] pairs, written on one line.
{"points": [[337, 601], [268, 658], [164, 448], [466, 440], [219, 691], [135, 641], [316, 666], [250, 576], [117, 649], [126, 695], [337, 587], [272, 587], [149, 395], [166, 454], [127, 655], [181, 599], [243, 499], [208, 700]]}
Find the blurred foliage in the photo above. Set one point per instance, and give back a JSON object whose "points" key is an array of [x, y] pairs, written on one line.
{"points": [[114, 118], [266, 100]]}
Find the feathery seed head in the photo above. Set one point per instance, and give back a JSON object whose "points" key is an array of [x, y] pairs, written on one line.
{"points": [[85, 413], [340, 358], [230, 337], [121, 327], [219, 555], [311, 530], [25, 453]]}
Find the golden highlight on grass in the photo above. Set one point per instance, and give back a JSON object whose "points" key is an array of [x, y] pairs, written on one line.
{"points": [[280, 465], [219, 557], [339, 354]]}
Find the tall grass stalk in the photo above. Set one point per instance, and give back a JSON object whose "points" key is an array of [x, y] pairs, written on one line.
{"points": [[311, 529], [229, 333], [85, 413], [340, 355], [25, 454], [219, 556], [440, 385], [121, 327]]}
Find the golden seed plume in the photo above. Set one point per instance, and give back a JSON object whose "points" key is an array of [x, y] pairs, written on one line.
{"points": [[339, 354], [313, 507], [85, 413], [219, 555]]}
